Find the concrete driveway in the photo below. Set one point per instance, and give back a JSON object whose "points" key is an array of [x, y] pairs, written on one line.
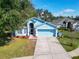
{"points": [[49, 48]]}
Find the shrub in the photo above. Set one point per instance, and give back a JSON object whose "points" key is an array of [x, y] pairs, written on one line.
{"points": [[4, 41]]}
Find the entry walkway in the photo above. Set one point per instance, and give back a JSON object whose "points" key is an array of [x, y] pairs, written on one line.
{"points": [[49, 48]]}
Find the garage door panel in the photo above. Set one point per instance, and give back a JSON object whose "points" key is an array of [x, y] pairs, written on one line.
{"points": [[45, 32]]}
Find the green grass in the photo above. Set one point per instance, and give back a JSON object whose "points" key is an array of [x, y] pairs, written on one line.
{"points": [[70, 40], [17, 48], [77, 57]]}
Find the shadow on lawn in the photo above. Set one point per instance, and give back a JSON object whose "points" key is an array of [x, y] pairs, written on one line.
{"points": [[71, 37], [5, 39]]}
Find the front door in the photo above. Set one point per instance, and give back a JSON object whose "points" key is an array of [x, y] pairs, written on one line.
{"points": [[32, 30]]}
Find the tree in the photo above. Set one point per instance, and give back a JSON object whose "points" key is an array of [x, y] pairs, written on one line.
{"points": [[77, 18], [39, 11], [45, 14], [13, 14], [62, 17]]}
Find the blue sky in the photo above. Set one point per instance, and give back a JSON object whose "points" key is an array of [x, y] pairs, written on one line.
{"points": [[58, 7]]}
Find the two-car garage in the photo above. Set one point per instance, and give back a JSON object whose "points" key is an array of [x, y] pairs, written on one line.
{"points": [[46, 32], [43, 28]]}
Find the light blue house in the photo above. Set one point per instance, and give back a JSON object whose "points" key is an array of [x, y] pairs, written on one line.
{"points": [[38, 27]]}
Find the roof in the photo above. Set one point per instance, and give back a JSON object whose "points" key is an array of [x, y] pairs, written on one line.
{"points": [[60, 21], [57, 21], [77, 21], [41, 20]]}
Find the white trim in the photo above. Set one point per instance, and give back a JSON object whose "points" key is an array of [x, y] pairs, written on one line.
{"points": [[56, 33]]}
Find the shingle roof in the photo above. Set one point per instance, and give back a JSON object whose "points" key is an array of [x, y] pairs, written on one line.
{"points": [[60, 21], [41, 20]]}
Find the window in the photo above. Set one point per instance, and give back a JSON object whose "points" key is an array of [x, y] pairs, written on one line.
{"points": [[20, 31], [25, 30]]}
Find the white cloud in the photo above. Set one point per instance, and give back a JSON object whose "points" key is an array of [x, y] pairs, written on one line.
{"points": [[69, 10], [65, 12]]}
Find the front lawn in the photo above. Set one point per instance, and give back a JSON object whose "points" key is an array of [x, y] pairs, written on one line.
{"points": [[77, 57], [70, 40], [17, 48]]}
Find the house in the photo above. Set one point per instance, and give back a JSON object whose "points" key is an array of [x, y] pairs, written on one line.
{"points": [[37, 27], [58, 22], [63, 22], [76, 26]]}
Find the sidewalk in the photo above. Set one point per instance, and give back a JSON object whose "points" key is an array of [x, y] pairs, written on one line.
{"points": [[74, 53]]}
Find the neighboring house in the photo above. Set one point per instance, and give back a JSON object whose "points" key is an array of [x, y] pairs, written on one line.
{"points": [[76, 26], [77, 29], [38, 27], [62, 22], [58, 22]]}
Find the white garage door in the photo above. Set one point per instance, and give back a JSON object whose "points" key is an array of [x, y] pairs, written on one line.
{"points": [[45, 32]]}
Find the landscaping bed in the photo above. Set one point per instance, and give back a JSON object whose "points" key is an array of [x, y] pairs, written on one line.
{"points": [[17, 48]]}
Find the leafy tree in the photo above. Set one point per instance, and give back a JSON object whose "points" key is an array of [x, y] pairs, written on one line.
{"points": [[45, 14], [77, 18], [13, 14], [39, 11], [62, 17]]}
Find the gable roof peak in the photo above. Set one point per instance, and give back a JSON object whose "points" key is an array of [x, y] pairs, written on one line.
{"points": [[43, 21]]}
